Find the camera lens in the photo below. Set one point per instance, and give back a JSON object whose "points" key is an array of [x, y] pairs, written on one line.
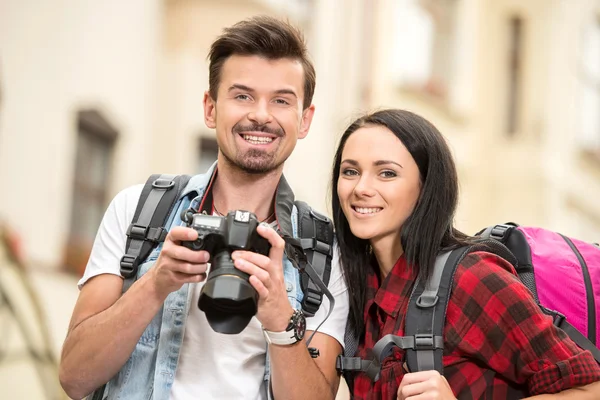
{"points": [[227, 298]]}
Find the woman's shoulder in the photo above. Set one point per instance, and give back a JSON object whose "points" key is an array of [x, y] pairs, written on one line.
{"points": [[486, 274], [484, 263]]}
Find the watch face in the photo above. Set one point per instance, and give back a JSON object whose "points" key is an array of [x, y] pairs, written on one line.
{"points": [[299, 325]]}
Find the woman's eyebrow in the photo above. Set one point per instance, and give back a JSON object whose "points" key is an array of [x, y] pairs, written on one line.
{"points": [[384, 162]]}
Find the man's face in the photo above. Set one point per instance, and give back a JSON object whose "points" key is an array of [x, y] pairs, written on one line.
{"points": [[258, 116]]}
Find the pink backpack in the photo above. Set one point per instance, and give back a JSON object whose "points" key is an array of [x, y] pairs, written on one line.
{"points": [[562, 273]]}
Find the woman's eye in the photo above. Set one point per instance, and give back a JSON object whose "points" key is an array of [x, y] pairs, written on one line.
{"points": [[388, 174], [349, 172]]}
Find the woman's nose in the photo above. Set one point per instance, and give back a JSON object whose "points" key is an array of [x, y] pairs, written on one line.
{"points": [[364, 187]]}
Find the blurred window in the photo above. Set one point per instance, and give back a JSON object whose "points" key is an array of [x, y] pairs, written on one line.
{"points": [[589, 90], [95, 145], [424, 44], [515, 55], [208, 150]]}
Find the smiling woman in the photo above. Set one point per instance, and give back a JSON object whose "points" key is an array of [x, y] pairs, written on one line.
{"points": [[394, 194]]}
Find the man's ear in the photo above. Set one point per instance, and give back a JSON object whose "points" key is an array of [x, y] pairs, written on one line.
{"points": [[210, 110], [307, 116]]}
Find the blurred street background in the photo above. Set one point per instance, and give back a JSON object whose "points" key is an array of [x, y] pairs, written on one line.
{"points": [[97, 95]]}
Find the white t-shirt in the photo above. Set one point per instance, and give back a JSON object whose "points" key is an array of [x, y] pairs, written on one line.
{"points": [[211, 365]]}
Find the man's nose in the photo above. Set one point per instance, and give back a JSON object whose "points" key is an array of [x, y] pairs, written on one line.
{"points": [[260, 114]]}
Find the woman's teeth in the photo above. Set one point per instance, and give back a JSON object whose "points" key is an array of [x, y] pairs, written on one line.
{"points": [[364, 210]]}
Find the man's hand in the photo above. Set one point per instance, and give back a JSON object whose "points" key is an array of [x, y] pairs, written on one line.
{"points": [[425, 385], [266, 276], [176, 264]]}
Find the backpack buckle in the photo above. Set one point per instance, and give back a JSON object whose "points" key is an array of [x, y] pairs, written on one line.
{"points": [[315, 245], [557, 317], [129, 265], [311, 302], [137, 232], [424, 342], [500, 232], [165, 184]]}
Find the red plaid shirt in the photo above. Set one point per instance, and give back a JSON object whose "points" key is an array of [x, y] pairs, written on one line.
{"points": [[497, 342]]}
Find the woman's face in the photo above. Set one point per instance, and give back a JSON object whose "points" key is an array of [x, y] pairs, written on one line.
{"points": [[379, 183]]}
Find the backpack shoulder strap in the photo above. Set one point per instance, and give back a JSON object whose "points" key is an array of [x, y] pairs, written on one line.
{"points": [[147, 229], [315, 232], [426, 314], [423, 337]]}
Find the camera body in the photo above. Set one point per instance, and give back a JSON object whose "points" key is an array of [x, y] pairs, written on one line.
{"points": [[227, 298], [234, 231]]}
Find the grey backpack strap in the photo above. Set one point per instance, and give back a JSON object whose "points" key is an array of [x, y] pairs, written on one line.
{"points": [[147, 229], [315, 232], [426, 314], [423, 337]]}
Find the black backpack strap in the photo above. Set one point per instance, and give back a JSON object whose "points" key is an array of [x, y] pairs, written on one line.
{"points": [[315, 232], [578, 337], [147, 229]]}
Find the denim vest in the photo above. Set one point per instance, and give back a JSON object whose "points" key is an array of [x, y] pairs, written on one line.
{"points": [[150, 371]]}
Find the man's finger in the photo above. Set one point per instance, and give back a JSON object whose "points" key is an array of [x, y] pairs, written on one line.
{"points": [[181, 253], [255, 258], [181, 233], [277, 243]]}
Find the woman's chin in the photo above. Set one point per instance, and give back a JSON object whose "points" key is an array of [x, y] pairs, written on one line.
{"points": [[364, 234]]}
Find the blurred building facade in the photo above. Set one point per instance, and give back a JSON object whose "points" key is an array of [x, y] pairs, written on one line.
{"points": [[96, 96]]}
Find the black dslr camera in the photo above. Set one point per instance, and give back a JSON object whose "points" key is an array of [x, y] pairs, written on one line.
{"points": [[227, 298]]}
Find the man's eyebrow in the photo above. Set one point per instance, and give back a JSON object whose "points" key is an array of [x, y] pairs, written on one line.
{"points": [[239, 86], [286, 91]]}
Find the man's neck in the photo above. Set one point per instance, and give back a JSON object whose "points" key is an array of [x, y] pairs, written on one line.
{"points": [[235, 189]]}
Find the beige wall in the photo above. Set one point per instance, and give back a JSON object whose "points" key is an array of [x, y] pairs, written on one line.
{"points": [[535, 177], [57, 58], [143, 65]]}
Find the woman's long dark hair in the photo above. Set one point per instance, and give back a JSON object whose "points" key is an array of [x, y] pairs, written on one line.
{"points": [[430, 226]]}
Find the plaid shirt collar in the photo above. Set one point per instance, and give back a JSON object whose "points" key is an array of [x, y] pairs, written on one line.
{"points": [[397, 281]]}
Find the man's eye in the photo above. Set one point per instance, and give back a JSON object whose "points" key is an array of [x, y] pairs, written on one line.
{"points": [[242, 97], [282, 101]]}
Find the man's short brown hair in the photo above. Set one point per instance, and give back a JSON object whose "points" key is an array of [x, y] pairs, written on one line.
{"points": [[266, 37]]}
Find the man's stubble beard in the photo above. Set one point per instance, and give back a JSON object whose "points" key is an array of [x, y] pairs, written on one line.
{"points": [[254, 162]]}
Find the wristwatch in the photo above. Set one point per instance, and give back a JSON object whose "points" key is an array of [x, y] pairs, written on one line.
{"points": [[292, 334]]}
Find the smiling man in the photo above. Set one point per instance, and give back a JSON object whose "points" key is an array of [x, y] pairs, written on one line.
{"points": [[261, 84]]}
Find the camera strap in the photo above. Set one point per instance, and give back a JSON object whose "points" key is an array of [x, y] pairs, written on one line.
{"points": [[315, 232]]}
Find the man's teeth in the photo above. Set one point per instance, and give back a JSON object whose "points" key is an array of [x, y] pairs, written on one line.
{"points": [[257, 139], [363, 210]]}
